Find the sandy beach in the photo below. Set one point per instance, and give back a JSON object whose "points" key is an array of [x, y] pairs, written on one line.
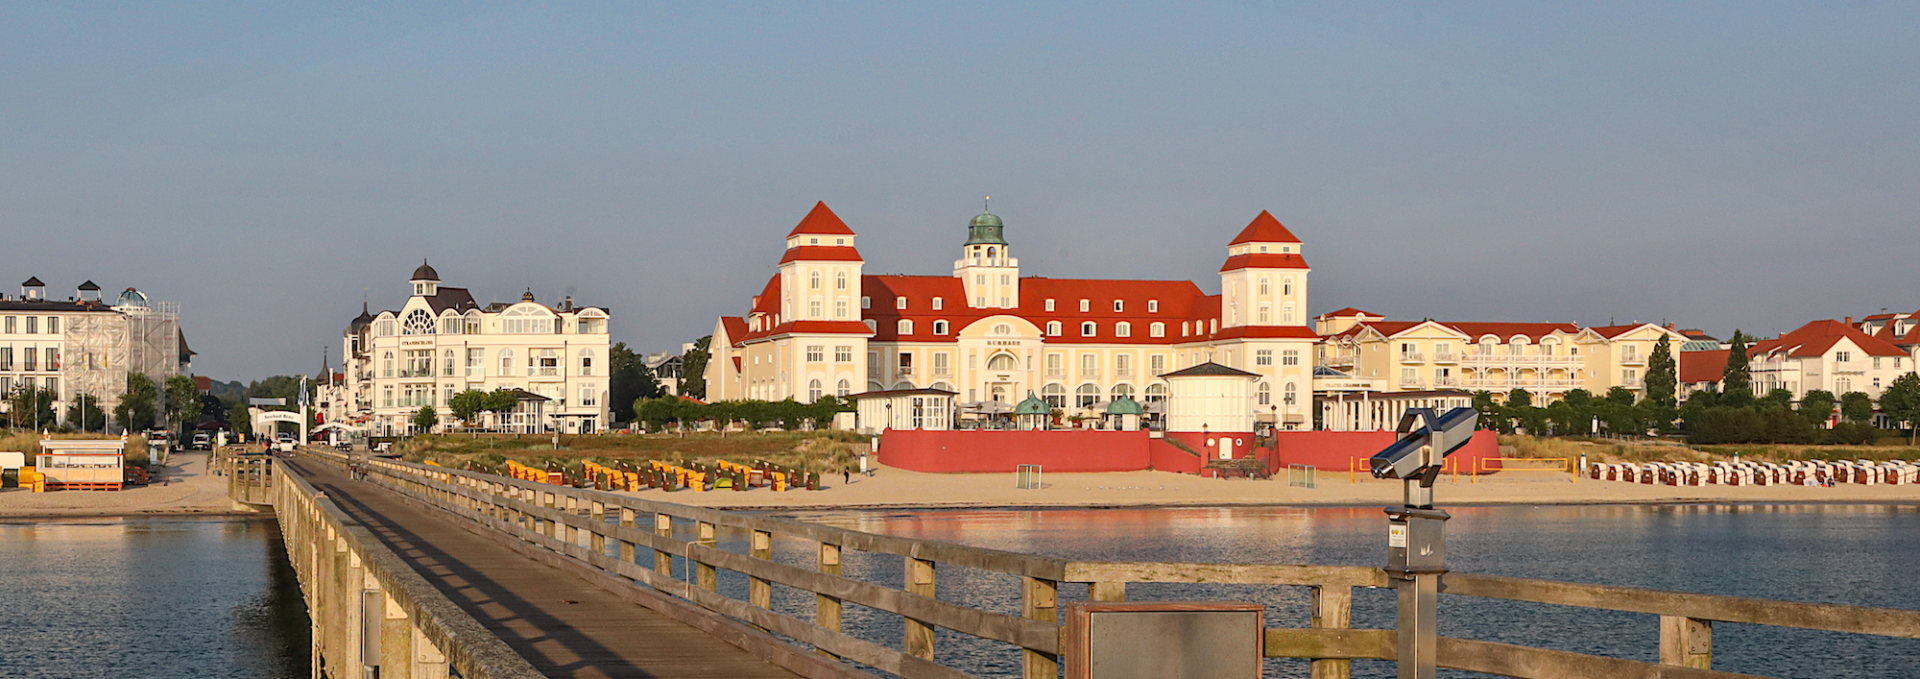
{"points": [[183, 487], [895, 488]]}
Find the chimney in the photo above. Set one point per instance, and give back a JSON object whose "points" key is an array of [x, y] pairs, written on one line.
{"points": [[1849, 320]]}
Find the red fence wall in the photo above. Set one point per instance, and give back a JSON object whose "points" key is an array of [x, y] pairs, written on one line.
{"points": [[1076, 450], [1334, 451]]}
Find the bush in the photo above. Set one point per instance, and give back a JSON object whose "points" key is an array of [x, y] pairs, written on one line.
{"points": [[1853, 434]]}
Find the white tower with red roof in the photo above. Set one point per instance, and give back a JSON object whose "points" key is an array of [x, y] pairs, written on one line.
{"points": [[820, 272], [1264, 282]]}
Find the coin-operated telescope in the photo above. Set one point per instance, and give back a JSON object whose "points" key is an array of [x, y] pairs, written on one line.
{"points": [[1416, 539]]}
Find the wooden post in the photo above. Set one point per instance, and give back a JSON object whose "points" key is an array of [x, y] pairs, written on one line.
{"points": [[662, 560], [1107, 591], [760, 591], [1041, 603], [826, 608], [627, 550], [1332, 609], [704, 575], [597, 541], [919, 636], [1686, 642], [567, 530]]}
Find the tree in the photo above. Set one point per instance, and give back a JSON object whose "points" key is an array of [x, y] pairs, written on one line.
{"points": [[1663, 378], [1489, 409], [693, 369], [31, 406], [138, 407], [1620, 396], [1901, 403], [465, 405], [183, 401], [85, 414], [1776, 399], [1856, 406], [1817, 406], [630, 381], [425, 419], [1736, 380], [212, 409], [1519, 398]]}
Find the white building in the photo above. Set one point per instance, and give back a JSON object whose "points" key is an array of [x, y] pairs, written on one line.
{"points": [[1828, 355], [990, 333], [440, 343], [84, 345]]}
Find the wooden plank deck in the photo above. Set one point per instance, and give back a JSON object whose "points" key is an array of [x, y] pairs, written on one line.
{"points": [[561, 623]]}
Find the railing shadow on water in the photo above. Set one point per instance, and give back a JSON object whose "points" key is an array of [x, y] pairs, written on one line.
{"points": [[962, 611]]}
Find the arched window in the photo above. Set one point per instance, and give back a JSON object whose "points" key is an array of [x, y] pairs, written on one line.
{"points": [[875, 386], [871, 325], [1266, 393], [1002, 362], [1286, 287], [990, 252], [506, 362], [943, 386], [1291, 394], [813, 280], [1121, 391], [1053, 328], [419, 322], [939, 327], [843, 389], [902, 385], [840, 281], [1123, 329], [813, 391], [586, 363], [1055, 395], [1264, 285], [1087, 395], [446, 363], [386, 366], [1157, 330], [905, 327], [528, 319], [1156, 393], [1087, 329]]}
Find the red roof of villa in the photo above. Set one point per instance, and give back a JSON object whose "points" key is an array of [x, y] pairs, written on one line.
{"points": [[1264, 229]]}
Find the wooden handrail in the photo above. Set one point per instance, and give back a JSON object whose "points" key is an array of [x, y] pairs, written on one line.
{"points": [[557, 518]]}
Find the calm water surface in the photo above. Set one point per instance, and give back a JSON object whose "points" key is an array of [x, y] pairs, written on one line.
{"points": [[149, 598], [1850, 554]]}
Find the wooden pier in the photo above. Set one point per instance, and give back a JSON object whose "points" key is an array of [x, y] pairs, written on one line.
{"points": [[578, 582]]}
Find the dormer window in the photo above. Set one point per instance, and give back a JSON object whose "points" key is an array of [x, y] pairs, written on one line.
{"points": [[938, 304], [899, 302], [1049, 305], [813, 241], [1153, 306], [1086, 305], [1087, 329], [839, 241], [939, 327], [1119, 306]]}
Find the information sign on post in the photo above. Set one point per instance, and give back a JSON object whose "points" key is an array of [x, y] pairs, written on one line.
{"points": [[1164, 640]]}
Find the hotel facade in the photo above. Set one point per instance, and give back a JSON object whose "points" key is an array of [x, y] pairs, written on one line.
{"points": [[86, 345], [440, 342], [989, 333]]}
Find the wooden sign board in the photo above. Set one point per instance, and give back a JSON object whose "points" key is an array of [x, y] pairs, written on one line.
{"points": [[1164, 640]]}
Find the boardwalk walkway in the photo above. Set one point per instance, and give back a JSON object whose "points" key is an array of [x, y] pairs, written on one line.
{"points": [[561, 623]]}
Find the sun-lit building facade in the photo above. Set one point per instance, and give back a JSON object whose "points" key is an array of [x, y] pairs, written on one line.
{"points": [[823, 326], [440, 342]]}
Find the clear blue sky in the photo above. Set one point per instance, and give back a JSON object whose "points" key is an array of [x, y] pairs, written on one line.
{"points": [[1745, 164]]}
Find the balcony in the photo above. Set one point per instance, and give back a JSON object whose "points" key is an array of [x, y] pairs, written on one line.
{"points": [[1412, 357], [1446, 382], [905, 371], [1090, 374], [1445, 357], [942, 371], [1123, 374], [1415, 383], [1504, 384], [1633, 360], [1502, 359]]}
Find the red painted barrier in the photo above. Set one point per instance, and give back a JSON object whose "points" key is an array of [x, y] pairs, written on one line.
{"points": [[1335, 451], [1076, 450]]}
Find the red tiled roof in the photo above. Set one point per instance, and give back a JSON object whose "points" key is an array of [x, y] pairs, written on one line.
{"points": [[736, 364], [821, 253], [768, 301], [1349, 311], [1612, 331], [735, 327], [1880, 317], [1178, 301], [1265, 332], [1816, 338], [1702, 366], [821, 221], [1473, 331], [1264, 229], [202, 382], [1264, 260]]}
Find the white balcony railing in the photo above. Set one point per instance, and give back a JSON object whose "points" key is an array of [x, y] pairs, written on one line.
{"points": [[1445, 357], [1412, 357]]}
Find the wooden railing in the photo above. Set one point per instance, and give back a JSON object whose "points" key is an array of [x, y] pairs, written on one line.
{"points": [[604, 534]]}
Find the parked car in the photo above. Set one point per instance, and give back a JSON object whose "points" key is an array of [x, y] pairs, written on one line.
{"points": [[285, 442], [201, 441]]}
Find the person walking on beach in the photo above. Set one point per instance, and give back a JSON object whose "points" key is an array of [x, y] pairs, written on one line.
{"points": [[846, 475]]}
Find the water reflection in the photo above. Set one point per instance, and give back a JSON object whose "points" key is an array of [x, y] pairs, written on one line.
{"points": [[1850, 554], [149, 598]]}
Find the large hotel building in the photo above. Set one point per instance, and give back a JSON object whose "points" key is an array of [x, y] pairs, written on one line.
{"points": [[441, 342], [987, 333]]}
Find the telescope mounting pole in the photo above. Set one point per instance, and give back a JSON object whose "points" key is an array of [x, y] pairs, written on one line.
{"points": [[1416, 558]]}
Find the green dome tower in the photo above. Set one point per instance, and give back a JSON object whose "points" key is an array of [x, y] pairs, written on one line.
{"points": [[986, 265]]}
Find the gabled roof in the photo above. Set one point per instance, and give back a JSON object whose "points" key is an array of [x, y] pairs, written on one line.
{"points": [[90, 286], [1264, 229], [735, 327], [1473, 331], [1612, 331], [1209, 369], [1349, 311], [1815, 339], [457, 299], [1702, 366], [33, 282], [821, 221]]}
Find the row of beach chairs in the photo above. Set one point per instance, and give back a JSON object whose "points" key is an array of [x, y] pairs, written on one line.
{"points": [[1795, 473]]}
